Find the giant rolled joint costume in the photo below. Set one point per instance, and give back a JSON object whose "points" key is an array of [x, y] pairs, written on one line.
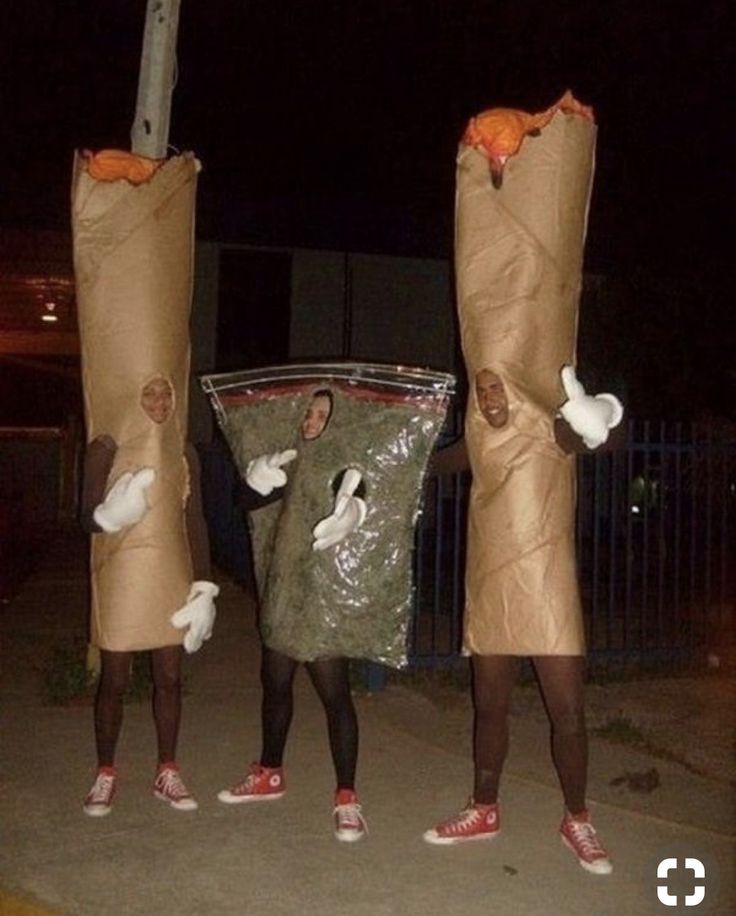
{"points": [[521, 214], [133, 247]]}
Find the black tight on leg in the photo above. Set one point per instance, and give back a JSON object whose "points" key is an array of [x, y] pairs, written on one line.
{"points": [[277, 704], [114, 676], [166, 670], [493, 681], [114, 673], [331, 679], [561, 681]]}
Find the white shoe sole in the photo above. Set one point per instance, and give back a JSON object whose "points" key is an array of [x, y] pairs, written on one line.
{"points": [[599, 867], [188, 804], [351, 836], [227, 797], [431, 837], [96, 810]]}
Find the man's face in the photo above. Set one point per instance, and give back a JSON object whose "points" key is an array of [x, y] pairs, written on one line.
{"points": [[157, 400], [491, 397], [316, 417]]}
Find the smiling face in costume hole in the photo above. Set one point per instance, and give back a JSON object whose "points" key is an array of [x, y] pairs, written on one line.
{"points": [[491, 397], [317, 415], [157, 400]]}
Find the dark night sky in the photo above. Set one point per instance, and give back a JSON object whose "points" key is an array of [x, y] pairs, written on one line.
{"points": [[335, 124]]}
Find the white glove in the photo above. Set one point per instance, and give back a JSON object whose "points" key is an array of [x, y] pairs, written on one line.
{"points": [[590, 417], [348, 514], [264, 473], [125, 504], [198, 614]]}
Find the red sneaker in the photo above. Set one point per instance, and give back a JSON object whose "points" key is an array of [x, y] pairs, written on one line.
{"points": [[99, 800], [578, 834], [261, 784], [475, 822], [350, 824], [169, 787]]}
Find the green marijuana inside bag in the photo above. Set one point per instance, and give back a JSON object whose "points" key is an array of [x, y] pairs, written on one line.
{"points": [[351, 599]]}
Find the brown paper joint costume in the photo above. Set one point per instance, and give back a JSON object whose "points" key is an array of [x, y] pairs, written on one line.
{"points": [[519, 251], [133, 263], [521, 217]]}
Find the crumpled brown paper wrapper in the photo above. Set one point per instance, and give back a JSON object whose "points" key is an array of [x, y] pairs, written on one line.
{"points": [[519, 253], [133, 248]]}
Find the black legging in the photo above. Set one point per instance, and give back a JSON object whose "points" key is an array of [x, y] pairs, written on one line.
{"points": [[330, 677], [166, 670], [561, 681]]}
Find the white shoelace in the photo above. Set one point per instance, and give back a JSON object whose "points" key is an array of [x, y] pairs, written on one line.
{"points": [[102, 789], [467, 818], [172, 784], [348, 816], [586, 837], [250, 783]]}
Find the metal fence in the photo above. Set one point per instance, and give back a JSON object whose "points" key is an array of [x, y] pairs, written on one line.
{"points": [[656, 544]]}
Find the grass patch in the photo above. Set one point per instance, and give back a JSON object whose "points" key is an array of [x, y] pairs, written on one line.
{"points": [[66, 680]]}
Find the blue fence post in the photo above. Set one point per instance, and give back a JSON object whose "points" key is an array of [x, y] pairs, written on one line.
{"points": [[374, 677]]}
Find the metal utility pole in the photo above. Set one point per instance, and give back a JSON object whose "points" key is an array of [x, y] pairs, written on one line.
{"points": [[150, 132]]}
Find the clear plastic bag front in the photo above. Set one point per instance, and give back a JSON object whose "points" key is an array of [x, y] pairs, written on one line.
{"points": [[332, 552]]}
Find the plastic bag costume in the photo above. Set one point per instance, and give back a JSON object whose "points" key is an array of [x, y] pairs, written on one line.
{"points": [[519, 249], [351, 599], [133, 250]]}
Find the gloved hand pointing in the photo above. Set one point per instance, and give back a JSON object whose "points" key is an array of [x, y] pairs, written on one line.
{"points": [[264, 473], [591, 417], [125, 504], [198, 614], [348, 514]]}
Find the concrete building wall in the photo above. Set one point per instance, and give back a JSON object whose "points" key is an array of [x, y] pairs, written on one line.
{"points": [[401, 311], [372, 308], [319, 291]]}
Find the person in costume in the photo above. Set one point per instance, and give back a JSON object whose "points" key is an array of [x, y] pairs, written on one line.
{"points": [[132, 222], [110, 512], [265, 482], [520, 233], [332, 458]]}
